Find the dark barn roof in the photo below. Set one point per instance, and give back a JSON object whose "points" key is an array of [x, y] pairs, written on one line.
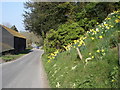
{"points": [[13, 32]]}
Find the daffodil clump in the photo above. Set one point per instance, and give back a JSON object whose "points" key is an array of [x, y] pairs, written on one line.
{"points": [[98, 67], [76, 43], [52, 56], [98, 33], [101, 31]]}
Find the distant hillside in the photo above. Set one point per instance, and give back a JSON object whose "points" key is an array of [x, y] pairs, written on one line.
{"points": [[32, 38]]}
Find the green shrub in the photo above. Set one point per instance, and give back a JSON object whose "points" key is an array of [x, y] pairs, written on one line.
{"points": [[65, 34]]}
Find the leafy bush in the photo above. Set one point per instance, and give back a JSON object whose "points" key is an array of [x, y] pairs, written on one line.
{"points": [[65, 34]]}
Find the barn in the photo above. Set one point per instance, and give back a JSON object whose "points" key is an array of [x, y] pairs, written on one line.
{"points": [[12, 41]]}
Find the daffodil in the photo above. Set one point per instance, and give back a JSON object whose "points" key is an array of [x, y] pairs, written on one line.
{"points": [[92, 56], [49, 61], [84, 38], [74, 46], [116, 11], [97, 23], [100, 37], [52, 54], [49, 57], [117, 20], [75, 41], [88, 31], [89, 53], [102, 50], [53, 57], [56, 52], [106, 24], [108, 27], [94, 32], [108, 18], [92, 38], [79, 45], [91, 30], [98, 51], [113, 80]]}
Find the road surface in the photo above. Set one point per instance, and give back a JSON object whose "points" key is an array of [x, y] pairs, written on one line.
{"points": [[25, 72]]}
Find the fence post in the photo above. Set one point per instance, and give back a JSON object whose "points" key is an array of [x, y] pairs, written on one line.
{"points": [[80, 55]]}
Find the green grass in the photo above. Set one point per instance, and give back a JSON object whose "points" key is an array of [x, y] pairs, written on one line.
{"points": [[10, 57], [96, 74], [68, 71]]}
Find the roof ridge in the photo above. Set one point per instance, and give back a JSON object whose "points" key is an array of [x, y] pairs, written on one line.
{"points": [[13, 32]]}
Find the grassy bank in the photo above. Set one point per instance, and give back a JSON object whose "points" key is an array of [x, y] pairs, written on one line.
{"points": [[99, 65], [10, 57], [68, 71]]}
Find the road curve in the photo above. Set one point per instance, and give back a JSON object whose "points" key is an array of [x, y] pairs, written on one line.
{"points": [[25, 72]]}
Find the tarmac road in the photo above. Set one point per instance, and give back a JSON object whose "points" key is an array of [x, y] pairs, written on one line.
{"points": [[25, 72]]}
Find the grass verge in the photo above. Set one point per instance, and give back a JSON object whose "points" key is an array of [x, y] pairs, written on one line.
{"points": [[10, 57], [68, 71]]}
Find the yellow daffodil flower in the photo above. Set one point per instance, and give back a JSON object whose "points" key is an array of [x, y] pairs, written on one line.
{"points": [[49, 57], [92, 56], [52, 54], [53, 57], [89, 53], [107, 18], [117, 20], [102, 50], [113, 80], [98, 51], [106, 24], [74, 47], [108, 27], [100, 37], [84, 38], [92, 38], [56, 52], [79, 45], [49, 61]]}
